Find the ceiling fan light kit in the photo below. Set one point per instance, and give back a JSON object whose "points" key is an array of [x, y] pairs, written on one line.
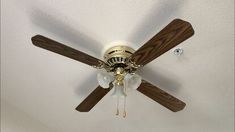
{"points": [[120, 63]]}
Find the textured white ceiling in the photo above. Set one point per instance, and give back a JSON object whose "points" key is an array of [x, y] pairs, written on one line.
{"points": [[48, 86]]}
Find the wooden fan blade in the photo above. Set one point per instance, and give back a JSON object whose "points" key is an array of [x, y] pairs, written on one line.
{"points": [[161, 96], [173, 34], [64, 50], [92, 99]]}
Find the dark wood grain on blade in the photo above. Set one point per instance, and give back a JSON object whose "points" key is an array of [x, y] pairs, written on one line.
{"points": [[161, 96], [173, 34], [92, 99], [64, 50]]}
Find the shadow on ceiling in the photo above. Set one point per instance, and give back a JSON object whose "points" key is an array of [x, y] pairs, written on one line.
{"points": [[86, 87], [161, 14], [167, 82], [54, 25]]}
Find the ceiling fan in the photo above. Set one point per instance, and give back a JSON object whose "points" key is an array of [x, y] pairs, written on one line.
{"points": [[121, 63]]}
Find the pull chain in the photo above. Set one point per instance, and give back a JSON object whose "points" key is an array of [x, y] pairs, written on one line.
{"points": [[124, 109], [117, 112]]}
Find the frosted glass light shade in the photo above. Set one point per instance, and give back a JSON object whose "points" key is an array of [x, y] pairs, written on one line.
{"points": [[118, 91], [104, 78], [132, 81]]}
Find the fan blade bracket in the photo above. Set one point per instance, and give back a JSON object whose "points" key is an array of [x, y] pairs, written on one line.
{"points": [[100, 65]]}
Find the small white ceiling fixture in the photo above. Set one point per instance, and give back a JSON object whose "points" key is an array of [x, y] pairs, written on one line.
{"points": [[178, 51]]}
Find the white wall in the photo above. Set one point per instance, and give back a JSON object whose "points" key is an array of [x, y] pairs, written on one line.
{"points": [[14, 120]]}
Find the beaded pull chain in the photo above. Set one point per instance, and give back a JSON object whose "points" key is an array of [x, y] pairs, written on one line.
{"points": [[117, 111], [124, 110]]}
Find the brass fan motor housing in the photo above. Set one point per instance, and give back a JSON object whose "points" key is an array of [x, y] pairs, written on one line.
{"points": [[118, 55]]}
